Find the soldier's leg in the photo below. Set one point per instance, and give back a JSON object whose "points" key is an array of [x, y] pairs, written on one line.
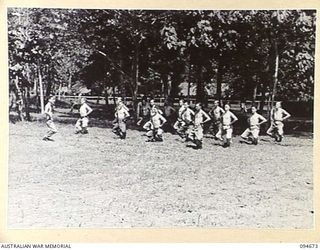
{"points": [[198, 136], [146, 126], [280, 126], [150, 134], [245, 134], [255, 134], [189, 133], [84, 125], [123, 129], [159, 134], [228, 135], [181, 129], [78, 125], [176, 125], [270, 130], [116, 129], [219, 133], [52, 130]]}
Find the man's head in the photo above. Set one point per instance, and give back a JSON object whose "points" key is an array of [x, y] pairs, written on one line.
{"points": [[186, 105], [52, 99], [118, 100], [144, 99], [216, 103], [253, 109], [198, 106], [278, 105], [153, 111], [227, 107], [181, 102], [82, 100], [152, 102]]}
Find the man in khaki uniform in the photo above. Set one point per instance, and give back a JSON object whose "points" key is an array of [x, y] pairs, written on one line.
{"points": [[255, 120], [48, 111], [154, 126], [82, 122], [119, 125], [227, 119], [278, 115], [196, 134], [215, 113]]}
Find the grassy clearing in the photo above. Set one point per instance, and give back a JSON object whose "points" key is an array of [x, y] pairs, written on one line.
{"points": [[96, 180]]}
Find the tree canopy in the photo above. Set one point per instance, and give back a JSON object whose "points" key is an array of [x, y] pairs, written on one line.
{"points": [[242, 54]]}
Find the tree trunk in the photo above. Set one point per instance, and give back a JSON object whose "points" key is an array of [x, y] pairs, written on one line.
{"points": [[69, 81], [188, 74], [169, 86], [219, 80], [37, 94], [134, 97], [49, 84], [189, 87], [106, 97], [41, 90], [19, 102], [27, 103], [136, 76], [275, 75], [59, 93], [200, 85], [114, 93], [263, 98], [254, 93], [135, 72]]}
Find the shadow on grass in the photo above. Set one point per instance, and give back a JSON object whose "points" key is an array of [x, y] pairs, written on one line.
{"points": [[216, 144], [245, 142], [193, 147]]}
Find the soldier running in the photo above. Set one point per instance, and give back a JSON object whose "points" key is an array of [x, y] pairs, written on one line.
{"points": [[48, 111], [154, 126], [215, 113], [82, 122], [228, 118], [278, 115], [119, 124], [143, 111], [196, 134], [255, 120]]}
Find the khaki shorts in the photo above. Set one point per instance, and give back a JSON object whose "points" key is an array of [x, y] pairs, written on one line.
{"points": [[227, 131], [254, 131], [197, 132], [51, 126], [276, 125]]}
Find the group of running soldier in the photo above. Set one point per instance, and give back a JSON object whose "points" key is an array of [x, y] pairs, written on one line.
{"points": [[189, 124]]}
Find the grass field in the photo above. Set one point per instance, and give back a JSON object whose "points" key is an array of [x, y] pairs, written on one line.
{"points": [[97, 180]]}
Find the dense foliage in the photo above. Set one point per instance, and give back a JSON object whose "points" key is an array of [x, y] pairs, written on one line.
{"points": [[238, 54]]}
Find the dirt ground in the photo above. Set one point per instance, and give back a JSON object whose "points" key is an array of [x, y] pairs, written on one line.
{"points": [[99, 181]]}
